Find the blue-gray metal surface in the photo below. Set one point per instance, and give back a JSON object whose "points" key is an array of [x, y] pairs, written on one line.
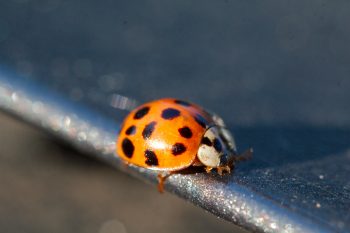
{"points": [[279, 191], [276, 71]]}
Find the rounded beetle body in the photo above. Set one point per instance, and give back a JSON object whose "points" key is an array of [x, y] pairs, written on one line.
{"points": [[171, 134]]}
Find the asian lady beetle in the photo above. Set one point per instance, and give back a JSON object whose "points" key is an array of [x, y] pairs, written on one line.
{"points": [[168, 135]]}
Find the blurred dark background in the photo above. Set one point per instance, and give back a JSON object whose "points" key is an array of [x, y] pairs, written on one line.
{"points": [[270, 62], [256, 63]]}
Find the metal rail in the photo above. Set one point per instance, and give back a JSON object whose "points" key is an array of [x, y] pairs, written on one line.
{"points": [[94, 133]]}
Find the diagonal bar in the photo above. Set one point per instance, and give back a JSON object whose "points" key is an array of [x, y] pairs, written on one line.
{"points": [[95, 134]]}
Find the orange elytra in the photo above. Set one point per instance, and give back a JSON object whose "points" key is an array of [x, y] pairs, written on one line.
{"points": [[168, 135]]}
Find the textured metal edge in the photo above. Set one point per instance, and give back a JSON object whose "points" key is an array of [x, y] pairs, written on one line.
{"points": [[96, 134]]}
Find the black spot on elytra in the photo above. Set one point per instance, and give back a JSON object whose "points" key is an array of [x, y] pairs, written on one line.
{"points": [[200, 120], [131, 130], [217, 145], [170, 113], [141, 113], [148, 130], [128, 147], [178, 148], [151, 158], [183, 103], [185, 132], [206, 141]]}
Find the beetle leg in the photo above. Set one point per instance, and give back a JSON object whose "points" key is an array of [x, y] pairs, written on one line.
{"points": [[223, 169], [248, 154], [161, 179], [208, 169]]}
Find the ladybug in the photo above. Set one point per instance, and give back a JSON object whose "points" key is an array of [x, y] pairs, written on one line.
{"points": [[169, 135]]}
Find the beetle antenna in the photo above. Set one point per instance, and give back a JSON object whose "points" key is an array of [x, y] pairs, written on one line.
{"points": [[246, 155]]}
